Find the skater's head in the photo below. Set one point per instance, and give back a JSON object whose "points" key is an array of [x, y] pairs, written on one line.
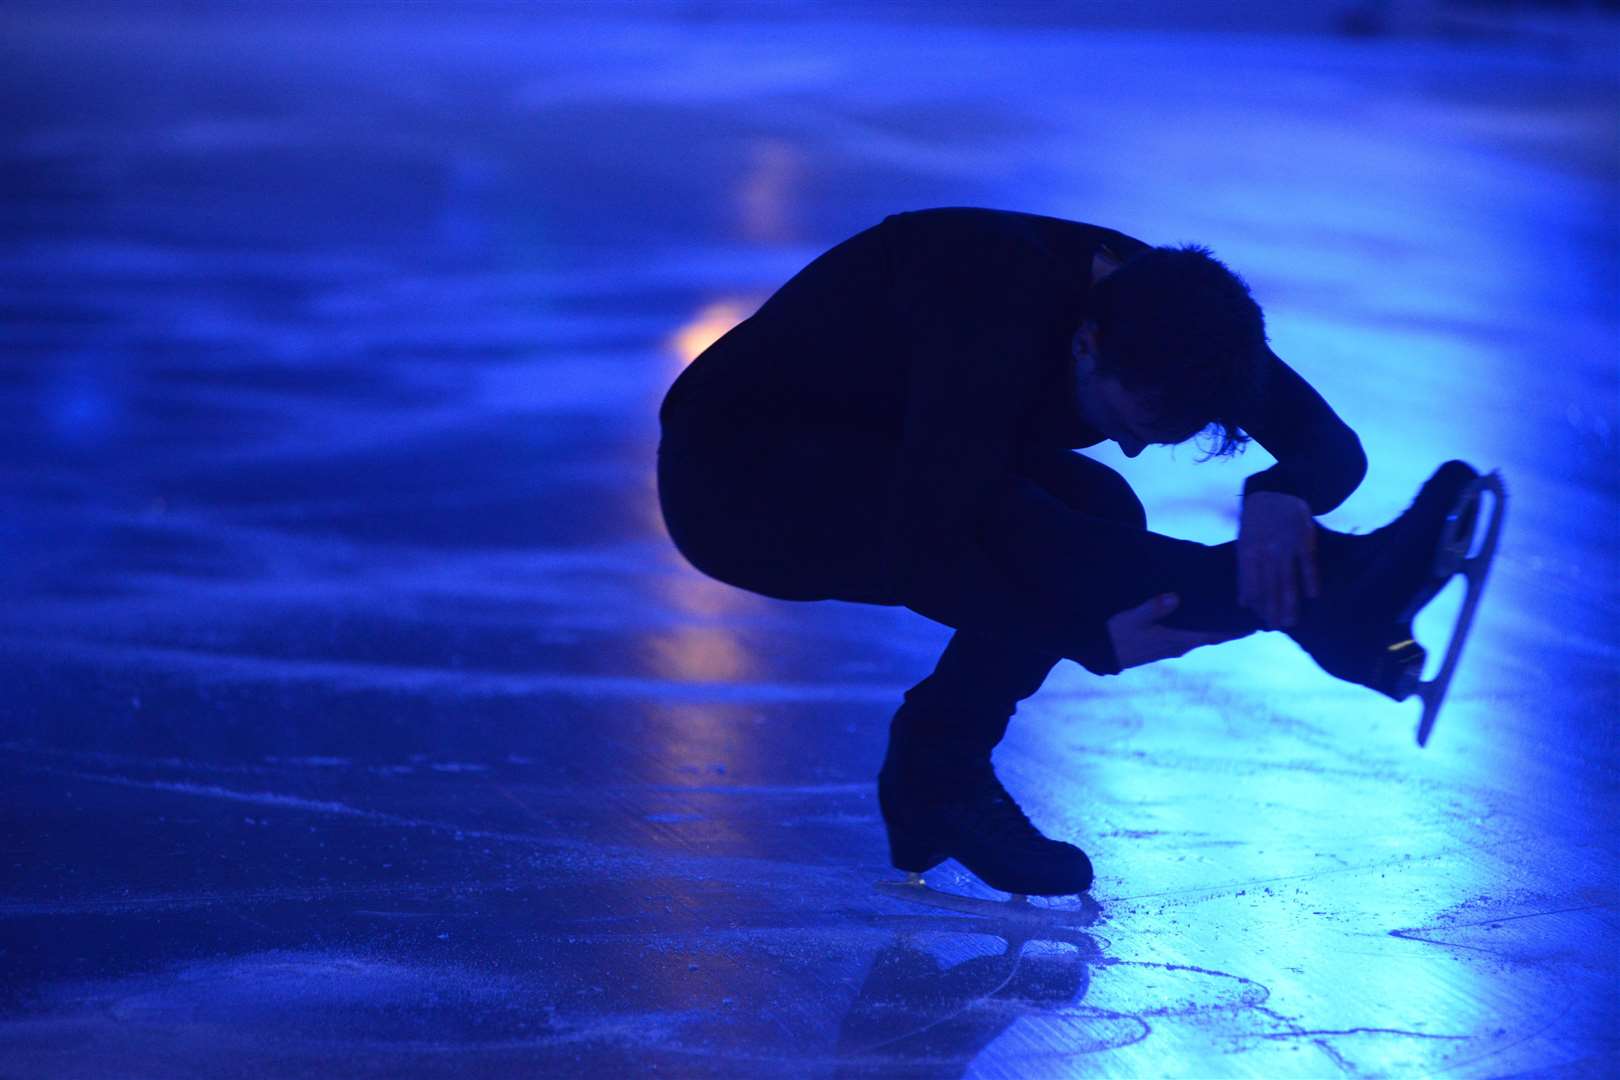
{"points": [[1173, 347]]}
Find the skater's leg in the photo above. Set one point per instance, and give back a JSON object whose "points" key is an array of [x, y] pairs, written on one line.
{"points": [[793, 519], [938, 790], [1047, 577], [784, 512], [790, 512], [976, 686]]}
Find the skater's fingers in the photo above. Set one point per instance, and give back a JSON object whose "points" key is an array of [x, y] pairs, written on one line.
{"points": [[1266, 583], [1137, 638], [1160, 606], [1276, 538], [1297, 584], [1285, 577], [1148, 612], [1286, 590], [1275, 589]]}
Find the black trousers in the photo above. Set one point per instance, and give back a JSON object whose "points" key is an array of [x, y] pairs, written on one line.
{"points": [[793, 513]]}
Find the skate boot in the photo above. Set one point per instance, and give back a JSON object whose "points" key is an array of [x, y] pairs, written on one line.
{"points": [[1360, 629], [941, 803]]}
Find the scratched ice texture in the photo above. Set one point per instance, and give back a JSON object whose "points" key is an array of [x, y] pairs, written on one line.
{"points": [[359, 718]]}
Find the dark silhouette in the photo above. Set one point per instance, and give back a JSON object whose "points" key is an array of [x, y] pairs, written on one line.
{"points": [[896, 425]]}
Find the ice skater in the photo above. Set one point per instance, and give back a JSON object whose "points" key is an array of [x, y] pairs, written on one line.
{"points": [[896, 425]]}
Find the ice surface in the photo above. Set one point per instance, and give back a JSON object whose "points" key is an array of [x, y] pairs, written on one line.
{"points": [[360, 718]]}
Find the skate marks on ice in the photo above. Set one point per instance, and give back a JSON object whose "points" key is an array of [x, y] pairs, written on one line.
{"points": [[1516, 929], [504, 987], [1498, 1005], [1117, 1004], [720, 948], [1051, 992], [936, 991], [1534, 940]]}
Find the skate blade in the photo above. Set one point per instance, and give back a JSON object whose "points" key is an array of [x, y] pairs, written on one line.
{"points": [[1457, 535], [1017, 911], [1453, 558]]}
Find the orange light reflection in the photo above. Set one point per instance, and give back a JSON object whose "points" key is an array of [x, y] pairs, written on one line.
{"points": [[707, 327], [700, 654]]}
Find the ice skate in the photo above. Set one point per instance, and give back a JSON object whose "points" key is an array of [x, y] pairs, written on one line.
{"points": [[1361, 628], [1081, 910], [1057, 920], [954, 808]]}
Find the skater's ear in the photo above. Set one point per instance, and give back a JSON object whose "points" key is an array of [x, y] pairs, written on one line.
{"points": [[1103, 263], [1085, 347]]}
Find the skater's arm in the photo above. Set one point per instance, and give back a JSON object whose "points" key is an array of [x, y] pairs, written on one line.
{"points": [[1319, 463], [1319, 459]]}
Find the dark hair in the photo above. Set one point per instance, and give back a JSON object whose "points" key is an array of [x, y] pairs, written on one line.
{"points": [[1178, 328]]}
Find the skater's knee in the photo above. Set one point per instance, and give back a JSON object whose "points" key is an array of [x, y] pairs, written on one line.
{"points": [[1116, 501], [1084, 485]]}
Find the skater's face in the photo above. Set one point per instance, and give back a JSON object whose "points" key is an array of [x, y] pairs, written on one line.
{"points": [[1115, 412]]}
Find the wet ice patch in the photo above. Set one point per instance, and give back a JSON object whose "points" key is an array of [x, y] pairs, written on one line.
{"points": [[320, 996]]}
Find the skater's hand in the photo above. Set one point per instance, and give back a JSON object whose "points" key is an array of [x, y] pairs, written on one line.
{"points": [[1139, 639], [1276, 552]]}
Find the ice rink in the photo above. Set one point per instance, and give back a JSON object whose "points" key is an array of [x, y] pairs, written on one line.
{"points": [[360, 718]]}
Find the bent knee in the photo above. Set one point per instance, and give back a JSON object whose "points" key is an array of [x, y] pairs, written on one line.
{"points": [[1121, 504], [1087, 487]]}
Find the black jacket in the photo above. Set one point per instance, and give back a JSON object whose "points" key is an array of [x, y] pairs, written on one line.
{"points": [[951, 328]]}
